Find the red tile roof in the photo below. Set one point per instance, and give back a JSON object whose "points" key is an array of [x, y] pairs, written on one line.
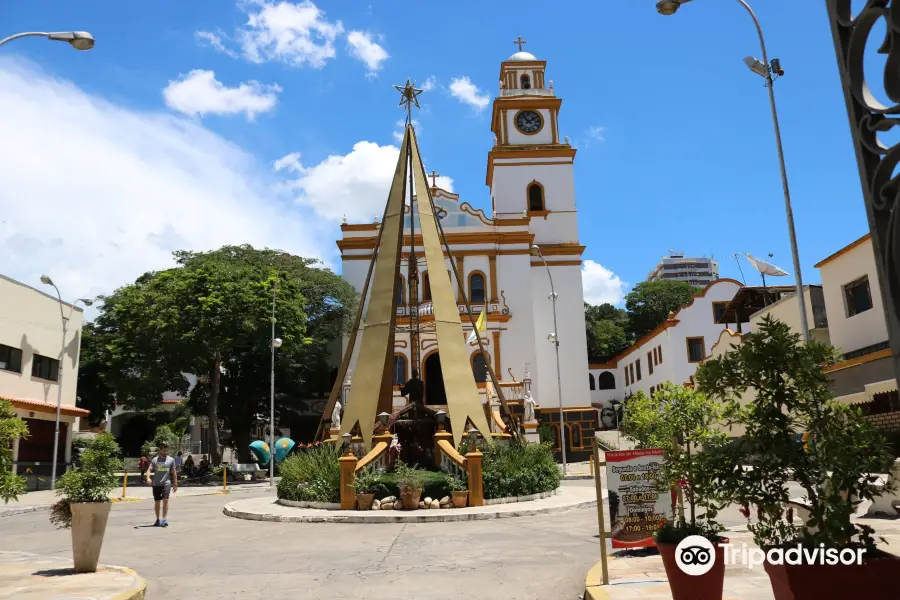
{"points": [[38, 406]]}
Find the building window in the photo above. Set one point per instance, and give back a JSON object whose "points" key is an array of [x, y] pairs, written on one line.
{"points": [[719, 310], [45, 367], [659, 351], [649, 363], [858, 296], [627, 378], [399, 369], [10, 359], [399, 293], [479, 367], [476, 287], [426, 288], [696, 351], [631, 372], [535, 197], [652, 390], [638, 368], [591, 380], [526, 82], [606, 381]]}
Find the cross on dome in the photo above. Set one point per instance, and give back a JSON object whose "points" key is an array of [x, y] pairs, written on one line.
{"points": [[519, 42]]}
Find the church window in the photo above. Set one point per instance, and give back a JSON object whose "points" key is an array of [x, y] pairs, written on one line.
{"points": [[479, 367], [426, 288], [535, 196], [606, 381], [399, 369], [526, 82], [399, 292], [591, 379], [476, 287]]}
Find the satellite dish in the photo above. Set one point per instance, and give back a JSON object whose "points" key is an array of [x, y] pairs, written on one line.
{"points": [[765, 267]]}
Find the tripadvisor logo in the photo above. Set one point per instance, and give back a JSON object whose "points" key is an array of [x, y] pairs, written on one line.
{"points": [[696, 555]]}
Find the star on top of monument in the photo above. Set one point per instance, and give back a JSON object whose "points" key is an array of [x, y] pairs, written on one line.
{"points": [[409, 95]]}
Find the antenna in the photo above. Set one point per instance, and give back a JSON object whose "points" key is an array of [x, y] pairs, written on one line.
{"points": [[737, 258]]}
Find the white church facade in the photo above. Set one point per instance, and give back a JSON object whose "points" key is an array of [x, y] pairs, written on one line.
{"points": [[530, 174]]}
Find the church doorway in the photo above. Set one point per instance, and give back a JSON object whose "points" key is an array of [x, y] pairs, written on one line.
{"points": [[434, 380]]}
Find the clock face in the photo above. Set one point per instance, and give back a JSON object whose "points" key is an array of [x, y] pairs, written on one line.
{"points": [[529, 121]]}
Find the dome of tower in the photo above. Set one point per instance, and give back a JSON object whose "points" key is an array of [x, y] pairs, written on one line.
{"points": [[522, 56]]}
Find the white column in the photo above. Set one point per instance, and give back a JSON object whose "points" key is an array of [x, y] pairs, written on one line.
{"points": [[15, 455]]}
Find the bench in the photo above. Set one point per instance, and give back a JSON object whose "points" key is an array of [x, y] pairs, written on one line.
{"points": [[242, 470]]}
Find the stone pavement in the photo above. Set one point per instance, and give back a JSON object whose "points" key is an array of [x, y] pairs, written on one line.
{"points": [[32, 577], [638, 575], [267, 509], [43, 500]]}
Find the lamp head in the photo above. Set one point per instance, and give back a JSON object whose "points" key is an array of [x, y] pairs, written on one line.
{"points": [[667, 7], [756, 65], [45, 279], [473, 435], [535, 250], [80, 40], [383, 418], [276, 343], [87, 301], [441, 416]]}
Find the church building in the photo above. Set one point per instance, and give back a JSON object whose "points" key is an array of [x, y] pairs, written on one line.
{"points": [[530, 174]]}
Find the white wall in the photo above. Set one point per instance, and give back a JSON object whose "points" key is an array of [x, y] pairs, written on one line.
{"points": [[787, 310], [30, 321], [863, 329], [509, 186], [516, 137]]}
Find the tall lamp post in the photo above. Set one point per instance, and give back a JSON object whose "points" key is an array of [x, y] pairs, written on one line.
{"points": [[276, 343], [80, 40], [765, 69], [59, 375], [554, 339]]}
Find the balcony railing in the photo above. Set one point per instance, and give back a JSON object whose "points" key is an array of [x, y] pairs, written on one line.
{"points": [[427, 308], [528, 92]]}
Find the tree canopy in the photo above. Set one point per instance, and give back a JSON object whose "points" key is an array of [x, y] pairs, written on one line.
{"points": [[606, 331], [650, 303], [211, 316]]}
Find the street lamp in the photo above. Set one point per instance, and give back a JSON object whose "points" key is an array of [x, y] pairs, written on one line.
{"points": [[59, 371], [764, 68], [276, 343], [553, 338], [80, 40]]}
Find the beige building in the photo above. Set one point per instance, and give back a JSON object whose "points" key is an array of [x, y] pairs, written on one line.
{"points": [[30, 344]]}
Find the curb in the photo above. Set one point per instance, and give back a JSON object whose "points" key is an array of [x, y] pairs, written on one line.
{"points": [[137, 592], [577, 477], [449, 516]]}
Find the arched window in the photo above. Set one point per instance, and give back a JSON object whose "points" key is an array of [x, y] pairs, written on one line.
{"points": [[526, 82], [479, 367], [400, 376], [593, 385], [535, 196], [476, 287], [606, 381], [400, 291], [426, 287]]}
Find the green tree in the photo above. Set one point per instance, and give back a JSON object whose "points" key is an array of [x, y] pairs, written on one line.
{"points": [[94, 393], [11, 429], [650, 303], [211, 316], [606, 331]]}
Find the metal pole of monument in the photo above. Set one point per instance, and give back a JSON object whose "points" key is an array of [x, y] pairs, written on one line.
{"points": [[601, 513], [536, 250], [272, 394]]}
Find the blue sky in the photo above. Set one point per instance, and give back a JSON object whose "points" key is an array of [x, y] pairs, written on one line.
{"points": [[169, 131]]}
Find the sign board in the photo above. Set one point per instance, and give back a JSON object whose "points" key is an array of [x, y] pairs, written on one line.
{"points": [[641, 505]]}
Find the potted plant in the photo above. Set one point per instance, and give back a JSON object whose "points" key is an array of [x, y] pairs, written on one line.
{"points": [[410, 482], [684, 423], [777, 390], [366, 484], [84, 505], [459, 490]]}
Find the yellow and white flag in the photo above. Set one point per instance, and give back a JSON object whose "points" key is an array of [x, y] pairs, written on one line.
{"points": [[480, 325]]}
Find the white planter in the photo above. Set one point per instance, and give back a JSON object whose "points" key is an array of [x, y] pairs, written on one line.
{"points": [[88, 527]]}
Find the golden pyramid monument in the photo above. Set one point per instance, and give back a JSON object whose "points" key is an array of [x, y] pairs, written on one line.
{"points": [[371, 388]]}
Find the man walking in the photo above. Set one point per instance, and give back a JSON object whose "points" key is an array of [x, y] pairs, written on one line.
{"points": [[164, 479]]}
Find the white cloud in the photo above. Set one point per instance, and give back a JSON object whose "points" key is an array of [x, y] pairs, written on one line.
{"points": [[467, 92], [354, 185], [401, 125], [215, 40], [430, 84], [200, 93], [296, 33], [136, 186], [596, 134], [363, 48], [601, 285]]}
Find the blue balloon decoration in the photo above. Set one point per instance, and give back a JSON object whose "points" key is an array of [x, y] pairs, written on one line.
{"points": [[261, 451], [283, 447]]}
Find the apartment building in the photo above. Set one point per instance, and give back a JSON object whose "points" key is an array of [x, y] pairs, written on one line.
{"points": [[677, 267]]}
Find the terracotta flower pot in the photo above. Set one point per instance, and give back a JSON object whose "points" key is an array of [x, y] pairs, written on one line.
{"points": [[460, 498], [364, 501], [88, 527], [410, 497], [815, 581], [693, 587]]}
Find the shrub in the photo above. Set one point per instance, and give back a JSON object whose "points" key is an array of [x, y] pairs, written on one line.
{"points": [[434, 484], [313, 475], [11, 428], [515, 469], [91, 482], [367, 480]]}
